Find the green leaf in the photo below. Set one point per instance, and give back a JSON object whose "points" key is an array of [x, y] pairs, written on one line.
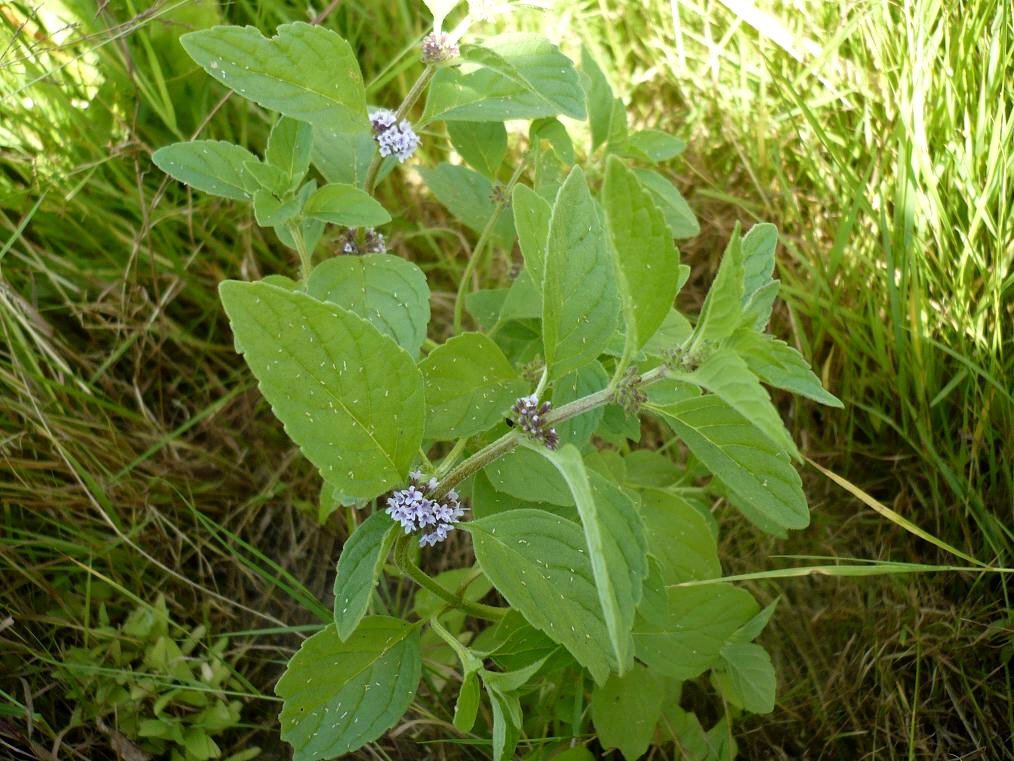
{"points": [[577, 753], [524, 299], [338, 696], [674, 330], [359, 568], [512, 681], [749, 679], [726, 374], [470, 386], [550, 170], [311, 229], [521, 76], [723, 305], [506, 724], [482, 144], [580, 301], [348, 395], [466, 708], [646, 260], [469, 197], [345, 205], [532, 214], [650, 145], [721, 744], [757, 311], [211, 166], [269, 211], [618, 127], [540, 564], [677, 212], [553, 132], [752, 628], [654, 603], [607, 462], [517, 645], [267, 177], [199, 746], [757, 472], [618, 427], [486, 500], [289, 146], [679, 538], [625, 711], [779, 365], [686, 730], [616, 547], [485, 304], [600, 99], [305, 72], [387, 290], [685, 640], [344, 155], [525, 474], [758, 258], [571, 387], [647, 467]]}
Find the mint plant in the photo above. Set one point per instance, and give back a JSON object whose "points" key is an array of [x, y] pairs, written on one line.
{"points": [[520, 430]]}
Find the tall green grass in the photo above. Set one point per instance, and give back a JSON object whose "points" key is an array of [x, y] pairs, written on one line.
{"points": [[880, 138]]}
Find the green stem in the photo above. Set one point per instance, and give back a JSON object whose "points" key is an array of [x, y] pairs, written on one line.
{"points": [[401, 113], [511, 439], [477, 462], [305, 256], [452, 457], [420, 577], [629, 348], [480, 246]]}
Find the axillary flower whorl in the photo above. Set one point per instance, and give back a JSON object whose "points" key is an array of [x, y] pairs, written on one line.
{"points": [[395, 138], [530, 418], [370, 242], [414, 510], [438, 47]]}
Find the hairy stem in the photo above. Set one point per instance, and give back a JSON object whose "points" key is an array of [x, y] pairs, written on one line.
{"points": [[420, 577], [480, 246], [511, 439], [305, 256]]}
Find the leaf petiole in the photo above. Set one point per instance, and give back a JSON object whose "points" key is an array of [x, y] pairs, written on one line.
{"points": [[424, 580]]}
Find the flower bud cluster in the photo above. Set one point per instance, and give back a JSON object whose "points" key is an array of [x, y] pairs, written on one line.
{"points": [[629, 393], [414, 510], [530, 417], [679, 358], [394, 138], [372, 242], [498, 197], [438, 47]]}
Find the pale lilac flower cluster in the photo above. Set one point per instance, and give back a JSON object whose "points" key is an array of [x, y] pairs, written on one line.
{"points": [[414, 510], [372, 242], [394, 138], [530, 416], [437, 47]]}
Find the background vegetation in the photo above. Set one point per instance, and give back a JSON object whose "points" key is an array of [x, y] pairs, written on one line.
{"points": [[138, 458]]}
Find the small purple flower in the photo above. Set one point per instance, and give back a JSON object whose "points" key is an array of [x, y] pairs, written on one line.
{"points": [[530, 417], [395, 139], [371, 242], [414, 510], [438, 47]]}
